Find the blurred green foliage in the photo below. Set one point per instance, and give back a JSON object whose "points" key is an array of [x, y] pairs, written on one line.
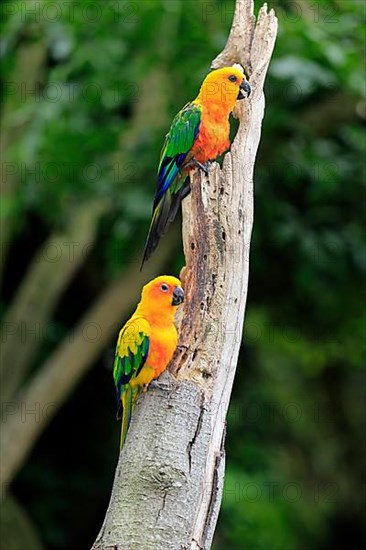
{"points": [[295, 429]]}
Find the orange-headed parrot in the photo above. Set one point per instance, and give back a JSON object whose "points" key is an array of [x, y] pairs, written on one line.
{"points": [[146, 343], [198, 135]]}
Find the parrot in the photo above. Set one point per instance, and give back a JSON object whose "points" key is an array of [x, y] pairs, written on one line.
{"points": [[146, 344], [198, 134]]}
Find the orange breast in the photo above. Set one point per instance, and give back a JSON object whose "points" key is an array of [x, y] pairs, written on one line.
{"points": [[213, 136], [163, 342]]}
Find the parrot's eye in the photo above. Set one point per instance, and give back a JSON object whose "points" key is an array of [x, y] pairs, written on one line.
{"points": [[233, 78], [164, 287]]}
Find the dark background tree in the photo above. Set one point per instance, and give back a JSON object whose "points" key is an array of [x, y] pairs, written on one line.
{"points": [[79, 158]]}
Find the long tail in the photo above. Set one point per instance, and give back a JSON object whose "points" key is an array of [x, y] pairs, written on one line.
{"points": [[164, 214], [128, 400]]}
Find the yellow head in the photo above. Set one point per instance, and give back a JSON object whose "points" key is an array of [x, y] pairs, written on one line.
{"points": [[163, 293], [224, 86]]}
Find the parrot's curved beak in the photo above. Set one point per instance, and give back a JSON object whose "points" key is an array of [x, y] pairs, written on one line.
{"points": [[178, 296], [244, 86]]}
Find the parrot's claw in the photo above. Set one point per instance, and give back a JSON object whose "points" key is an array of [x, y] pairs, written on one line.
{"points": [[161, 384], [165, 382], [204, 167], [207, 165]]}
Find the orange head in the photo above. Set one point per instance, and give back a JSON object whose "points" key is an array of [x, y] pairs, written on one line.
{"points": [[224, 86], [162, 294]]}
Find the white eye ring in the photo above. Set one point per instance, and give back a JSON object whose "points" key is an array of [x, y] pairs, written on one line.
{"points": [[164, 287]]}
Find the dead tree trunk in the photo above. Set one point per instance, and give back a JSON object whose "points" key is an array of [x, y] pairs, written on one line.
{"points": [[168, 483]]}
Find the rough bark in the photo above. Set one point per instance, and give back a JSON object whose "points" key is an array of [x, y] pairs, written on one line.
{"points": [[169, 478]]}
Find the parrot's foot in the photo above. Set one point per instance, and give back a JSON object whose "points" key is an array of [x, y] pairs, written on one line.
{"points": [[208, 165], [164, 382], [161, 384], [204, 167]]}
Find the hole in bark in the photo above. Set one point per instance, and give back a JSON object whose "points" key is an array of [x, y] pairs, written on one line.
{"points": [[223, 236], [194, 354], [205, 257], [206, 374], [235, 301], [222, 190], [239, 232], [202, 305], [193, 246]]}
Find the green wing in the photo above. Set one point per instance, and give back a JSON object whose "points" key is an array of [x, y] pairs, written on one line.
{"points": [[131, 354], [170, 187], [178, 143]]}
